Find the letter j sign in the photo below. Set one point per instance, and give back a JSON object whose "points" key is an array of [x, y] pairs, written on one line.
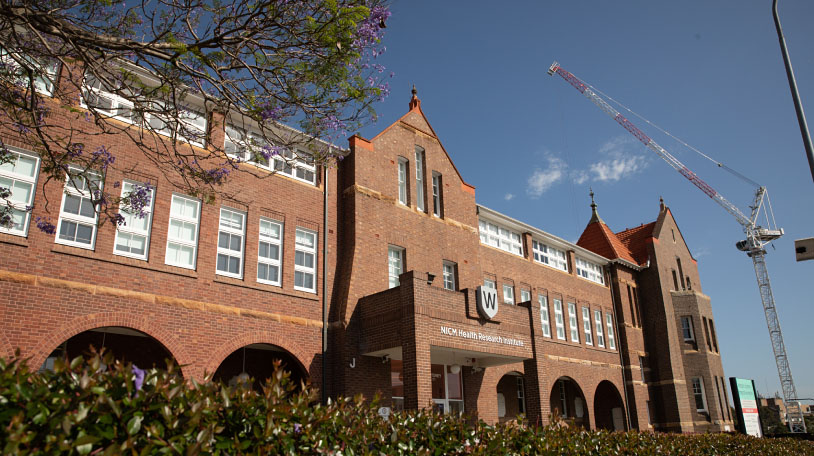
{"points": [[487, 302]]}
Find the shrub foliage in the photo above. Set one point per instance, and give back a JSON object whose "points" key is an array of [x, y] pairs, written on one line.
{"points": [[100, 406]]}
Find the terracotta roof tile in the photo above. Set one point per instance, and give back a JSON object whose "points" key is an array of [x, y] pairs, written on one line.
{"points": [[635, 239], [599, 239]]}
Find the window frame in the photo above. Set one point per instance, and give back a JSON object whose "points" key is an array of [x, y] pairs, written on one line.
{"points": [[306, 250], [269, 262], [228, 252], [500, 237], [587, 329], [394, 270], [44, 84], [449, 271], [181, 242], [687, 328], [549, 256], [572, 322], [508, 294], [419, 179], [70, 190], [403, 175], [609, 329], [590, 271], [127, 229], [119, 103], [525, 294], [559, 319], [698, 390], [600, 333], [15, 177], [437, 188], [545, 320]]}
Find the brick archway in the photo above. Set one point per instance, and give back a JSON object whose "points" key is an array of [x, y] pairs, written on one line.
{"points": [[100, 320], [257, 337]]}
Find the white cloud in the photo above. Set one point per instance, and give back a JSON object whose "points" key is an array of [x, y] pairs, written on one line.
{"points": [[580, 177], [622, 160], [542, 179], [508, 197]]}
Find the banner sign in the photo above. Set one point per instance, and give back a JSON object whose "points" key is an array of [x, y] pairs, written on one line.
{"points": [[746, 407]]}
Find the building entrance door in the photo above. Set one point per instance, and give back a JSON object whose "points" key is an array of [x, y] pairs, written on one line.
{"points": [[447, 388]]}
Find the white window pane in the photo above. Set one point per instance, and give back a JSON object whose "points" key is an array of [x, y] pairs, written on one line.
{"points": [[25, 165], [304, 259], [305, 238], [269, 229]]}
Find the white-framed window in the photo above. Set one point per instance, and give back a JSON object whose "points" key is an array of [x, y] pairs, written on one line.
{"points": [[19, 176], [590, 271], [182, 240], [419, 178], [298, 164], [395, 265], [698, 393], [549, 256], [500, 237], [436, 194], [521, 395], [489, 283], [45, 73], [403, 180], [449, 275], [191, 125], [572, 322], [305, 260], [586, 326], [544, 320], [609, 328], [250, 146], [525, 295], [270, 252], [686, 328], [558, 319], [600, 334], [133, 238], [77, 215], [231, 234], [508, 294]]}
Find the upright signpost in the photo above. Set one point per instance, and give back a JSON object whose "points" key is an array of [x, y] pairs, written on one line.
{"points": [[745, 397]]}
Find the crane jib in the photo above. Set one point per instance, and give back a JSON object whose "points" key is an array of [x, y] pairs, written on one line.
{"points": [[573, 80], [633, 129], [698, 182]]}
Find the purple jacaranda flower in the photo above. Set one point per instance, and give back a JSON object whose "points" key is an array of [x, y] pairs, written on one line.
{"points": [[297, 428], [139, 377]]}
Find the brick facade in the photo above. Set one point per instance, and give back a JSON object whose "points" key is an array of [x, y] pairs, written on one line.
{"points": [[52, 293]]}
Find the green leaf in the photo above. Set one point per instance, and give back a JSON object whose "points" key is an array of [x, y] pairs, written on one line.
{"points": [[134, 425]]}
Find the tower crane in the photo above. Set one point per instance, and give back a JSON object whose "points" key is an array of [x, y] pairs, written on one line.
{"points": [[756, 239]]}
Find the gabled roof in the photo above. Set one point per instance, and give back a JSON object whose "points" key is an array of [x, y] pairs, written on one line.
{"points": [[416, 119], [599, 239], [635, 239]]}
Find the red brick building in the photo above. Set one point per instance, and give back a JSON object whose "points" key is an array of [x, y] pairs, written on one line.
{"points": [[433, 300]]}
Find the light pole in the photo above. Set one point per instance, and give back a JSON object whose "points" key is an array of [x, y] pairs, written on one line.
{"points": [[801, 117]]}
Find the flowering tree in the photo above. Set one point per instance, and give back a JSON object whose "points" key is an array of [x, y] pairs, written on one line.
{"points": [[73, 73]]}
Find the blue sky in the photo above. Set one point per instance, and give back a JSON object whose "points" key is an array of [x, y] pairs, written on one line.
{"points": [[708, 72]]}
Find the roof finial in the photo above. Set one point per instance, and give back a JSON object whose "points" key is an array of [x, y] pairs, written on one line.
{"points": [[414, 101], [594, 214], [661, 203]]}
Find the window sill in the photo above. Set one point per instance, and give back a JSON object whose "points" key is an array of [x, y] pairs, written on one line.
{"points": [[14, 239], [125, 261], [264, 287]]}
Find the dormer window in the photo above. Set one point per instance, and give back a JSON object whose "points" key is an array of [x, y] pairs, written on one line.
{"points": [[590, 271]]}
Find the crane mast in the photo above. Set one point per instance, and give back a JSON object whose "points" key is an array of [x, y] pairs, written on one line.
{"points": [[756, 238]]}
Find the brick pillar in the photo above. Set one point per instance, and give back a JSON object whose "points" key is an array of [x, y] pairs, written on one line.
{"points": [[415, 351], [537, 406]]}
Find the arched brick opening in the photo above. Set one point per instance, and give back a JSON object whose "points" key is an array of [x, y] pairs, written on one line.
{"points": [[511, 396], [111, 320], [256, 351], [568, 402], [609, 410]]}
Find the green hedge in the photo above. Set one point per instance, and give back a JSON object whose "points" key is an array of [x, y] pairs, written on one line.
{"points": [[95, 407]]}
